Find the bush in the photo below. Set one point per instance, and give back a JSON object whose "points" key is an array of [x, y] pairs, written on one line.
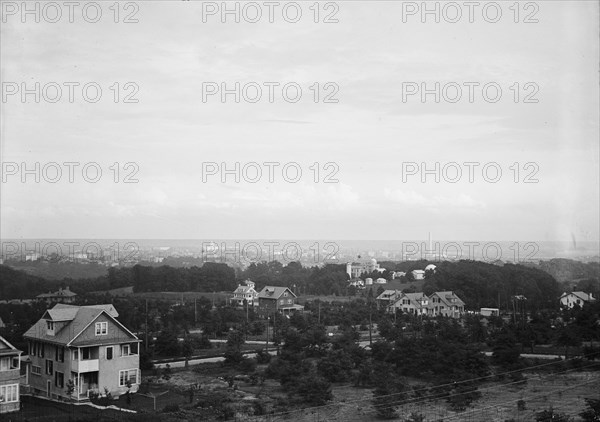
{"points": [[263, 357], [170, 408]]}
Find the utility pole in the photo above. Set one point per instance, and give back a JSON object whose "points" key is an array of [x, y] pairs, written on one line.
{"points": [[195, 311], [370, 327], [146, 324], [319, 313]]}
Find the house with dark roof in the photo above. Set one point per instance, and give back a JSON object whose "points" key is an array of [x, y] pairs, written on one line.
{"points": [[62, 295], [278, 299], [569, 300], [86, 344], [388, 297], [10, 366]]}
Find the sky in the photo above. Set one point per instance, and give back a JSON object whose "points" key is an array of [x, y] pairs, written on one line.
{"points": [[369, 140]]}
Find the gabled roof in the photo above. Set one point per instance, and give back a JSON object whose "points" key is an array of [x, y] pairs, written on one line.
{"points": [[447, 297], [273, 292], [581, 295], [415, 299], [6, 348], [59, 293], [387, 294], [244, 289], [76, 319]]}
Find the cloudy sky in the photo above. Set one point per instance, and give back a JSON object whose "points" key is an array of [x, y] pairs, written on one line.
{"points": [[369, 134]]}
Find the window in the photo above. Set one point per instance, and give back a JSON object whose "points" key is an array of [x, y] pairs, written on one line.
{"points": [[33, 348], [101, 328], [59, 379], [49, 367], [109, 352], [128, 374], [289, 300], [36, 370], [9, 393], [4, 364], [75, 354], [60, 354], [41, 350], [50, 328], [125, 350], [85, 353], [281, 302]]}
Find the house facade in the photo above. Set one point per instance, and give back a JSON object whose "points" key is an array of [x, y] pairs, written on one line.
{"points": [[412, 303], [446, 304], [278, 299], [245, 292], [10, 367], [85, 344], [437, 304], [61, 295], [569, 300]]}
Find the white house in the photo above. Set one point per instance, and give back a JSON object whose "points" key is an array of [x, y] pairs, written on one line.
{"points": [[576, 298], [245, 292]]}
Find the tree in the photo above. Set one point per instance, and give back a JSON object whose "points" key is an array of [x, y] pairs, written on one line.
{"points": [[312, 389], [389, 391], [592, 413], [551, 416]]}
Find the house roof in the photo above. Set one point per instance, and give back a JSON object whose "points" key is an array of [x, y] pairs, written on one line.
{"points": [[447, 297], [60, 293], [581, 295], [273, 292], [414, 298], [77, 319], [6, 348], [387, 294], [244, 289]]}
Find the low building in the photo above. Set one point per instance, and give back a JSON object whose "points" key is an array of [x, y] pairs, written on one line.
{"points": [[85, 344], [418, 274], [569, 300], [10, 367], [278, 299], [489, 312], [246, 293], [62, 295]]}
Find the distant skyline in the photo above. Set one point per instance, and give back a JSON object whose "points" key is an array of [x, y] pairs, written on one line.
{"points": [[368, 134]]}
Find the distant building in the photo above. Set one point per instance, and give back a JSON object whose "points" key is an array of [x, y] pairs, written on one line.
{"points": [[569, 300], [489, 312], [278, 299], [430, 267], [62, 295], [10, 367], [356, 269], [85, 344], [418, 274], [246, 293]]}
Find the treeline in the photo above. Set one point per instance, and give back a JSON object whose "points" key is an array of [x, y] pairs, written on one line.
{"points": [[567, 269], [486, 285]]}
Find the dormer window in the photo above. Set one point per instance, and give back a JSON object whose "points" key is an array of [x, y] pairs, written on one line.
{"points": [[50, 328], [101, 328]]}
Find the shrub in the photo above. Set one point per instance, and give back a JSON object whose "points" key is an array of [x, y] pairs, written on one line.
{"points": [[170, 408]]}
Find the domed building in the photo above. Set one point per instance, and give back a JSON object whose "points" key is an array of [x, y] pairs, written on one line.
{"points": [[430, 267]]}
